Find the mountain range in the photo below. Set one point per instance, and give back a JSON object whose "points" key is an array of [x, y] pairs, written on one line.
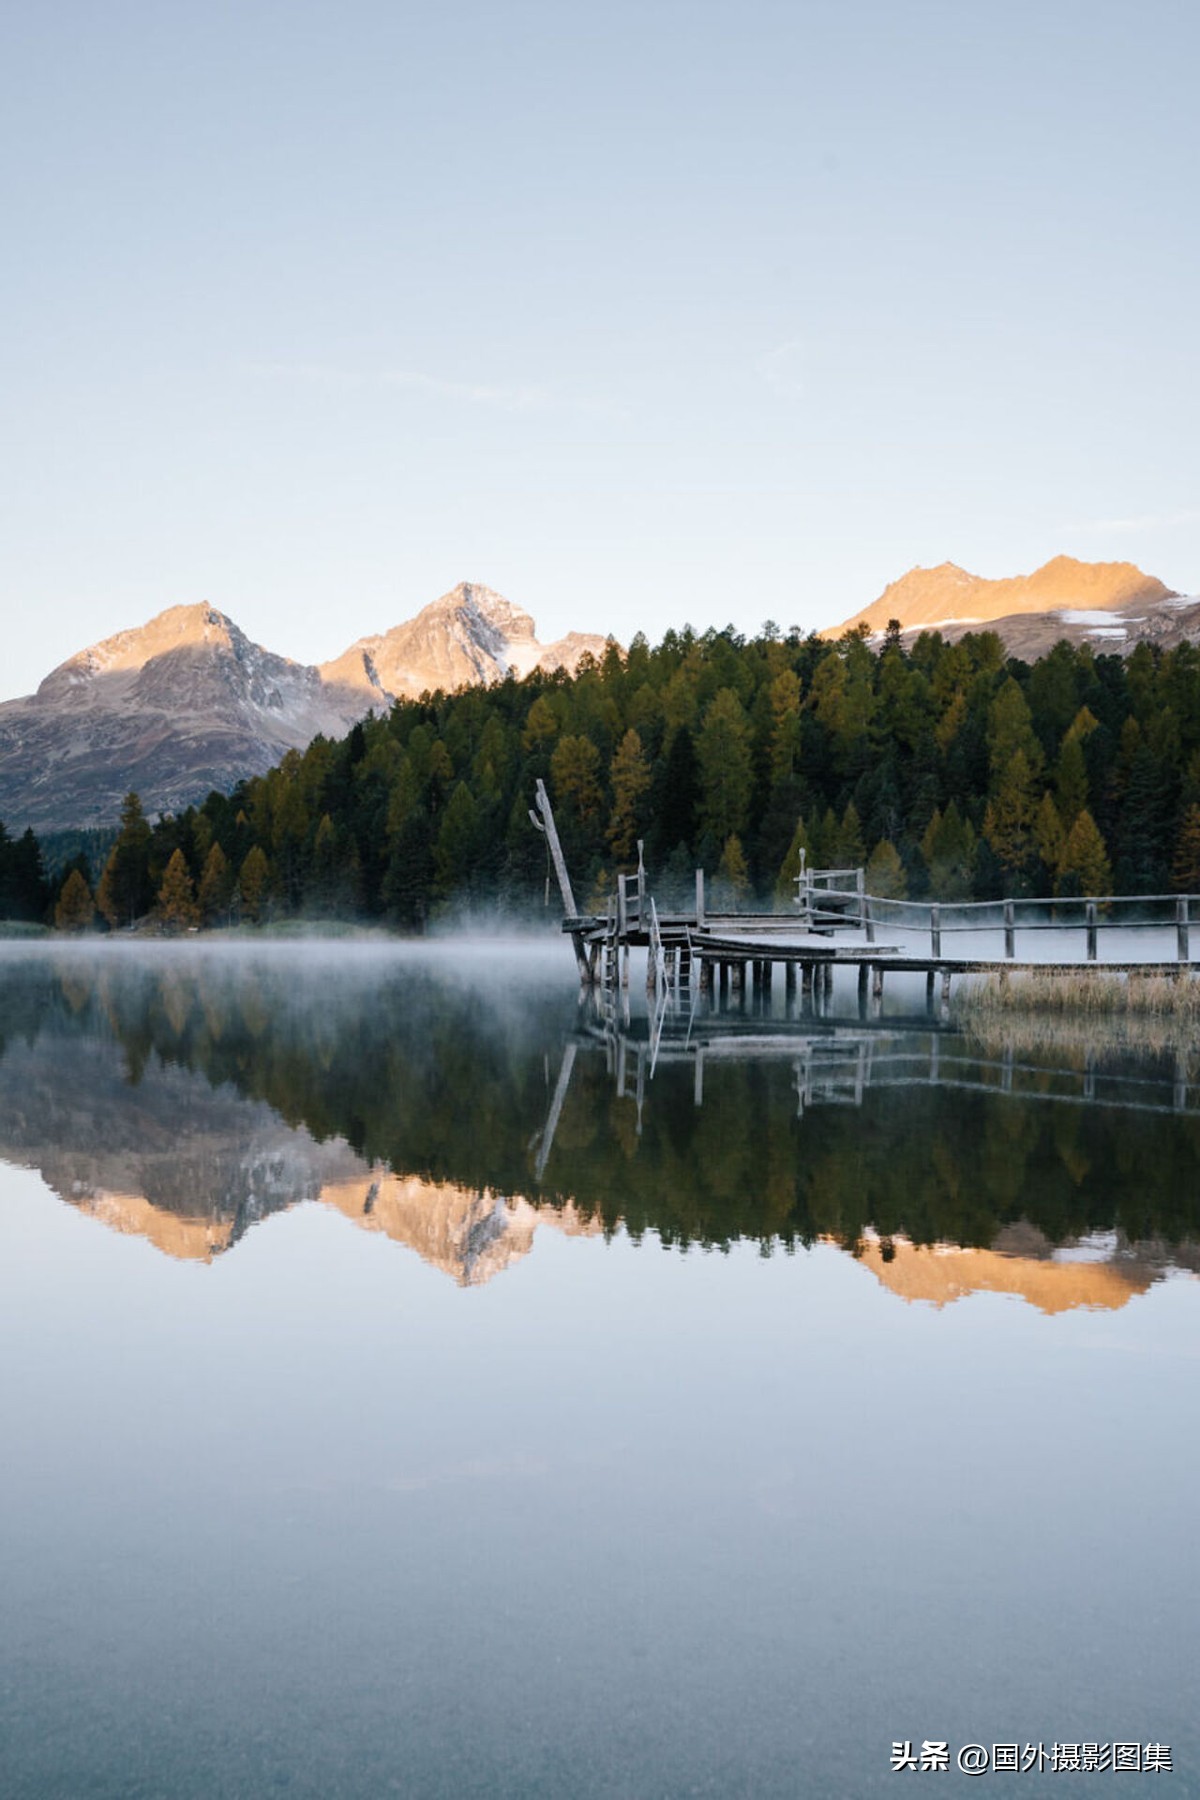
{"points": [[187, 703], [1112, 606]]}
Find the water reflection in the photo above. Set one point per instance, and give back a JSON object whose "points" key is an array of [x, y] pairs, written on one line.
{"points": [[186, 1097]]}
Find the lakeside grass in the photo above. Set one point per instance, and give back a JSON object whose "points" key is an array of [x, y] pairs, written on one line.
{"points": [[1087, 1013]]}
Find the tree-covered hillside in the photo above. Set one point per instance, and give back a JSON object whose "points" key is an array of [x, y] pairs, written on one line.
{"points": [[950, 770]]}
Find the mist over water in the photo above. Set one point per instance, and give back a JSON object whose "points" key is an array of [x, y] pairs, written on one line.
{"points": [[420, 1382]]}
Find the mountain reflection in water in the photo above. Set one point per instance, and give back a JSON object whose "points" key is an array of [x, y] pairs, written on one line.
{"points": [[187, 1095]]}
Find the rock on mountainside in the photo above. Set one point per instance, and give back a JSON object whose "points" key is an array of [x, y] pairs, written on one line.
{"points": [[470, 635], [1112, 606], [186, 704]]}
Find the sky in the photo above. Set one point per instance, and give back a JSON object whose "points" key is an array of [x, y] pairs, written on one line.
{"points": [[641, 314]]}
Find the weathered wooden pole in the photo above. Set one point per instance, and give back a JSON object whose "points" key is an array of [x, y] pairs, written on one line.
{"points": [[545, 824], [1181, 928], [700, 899], [1090, 915], [945, 993], [930, 982], [864, 984], [935, 931], [877, 989], [806, 986], [706, 975], [1010, 930]]}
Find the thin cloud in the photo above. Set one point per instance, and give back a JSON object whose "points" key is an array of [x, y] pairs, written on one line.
{"points": [[785, 369], [1141, 521], [499, 396]]}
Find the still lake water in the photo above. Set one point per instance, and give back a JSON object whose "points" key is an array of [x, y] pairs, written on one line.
{"points": [[406, 1391]]}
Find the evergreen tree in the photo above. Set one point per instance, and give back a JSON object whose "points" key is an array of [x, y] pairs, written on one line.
{"points": [[797, 855], [949, 850], [216, 887], [1085, 867], [125, 890], [177, 896], [733, 877], [726, 771], [253, 883], [630, 780], [1185, 869], [76, 909], [885, 873]]}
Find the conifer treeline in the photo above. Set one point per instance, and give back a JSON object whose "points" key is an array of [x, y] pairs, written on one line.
{"points": [[949, 770]]}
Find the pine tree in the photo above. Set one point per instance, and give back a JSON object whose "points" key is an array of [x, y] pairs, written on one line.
{"points": [[949, 851], [216, 886], [1185, 870], [798, 852], [885, 875], [1085, 868], [1071, 780], [1008, 821], [125, 890], [851, 852], [726, 770], [76, 909], [630, 780], [177, 896], [253, 882], [1048, 835], [733, 876]]}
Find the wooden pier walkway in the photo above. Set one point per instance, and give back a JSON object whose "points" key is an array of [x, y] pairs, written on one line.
{"points": [[836, 922]]}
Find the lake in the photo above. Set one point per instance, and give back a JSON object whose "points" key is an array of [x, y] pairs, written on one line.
{"points": [[417, 1382]]}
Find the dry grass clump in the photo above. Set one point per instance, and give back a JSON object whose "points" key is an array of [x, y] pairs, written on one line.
{"points": [[1085, 1013], [1086, 991]]}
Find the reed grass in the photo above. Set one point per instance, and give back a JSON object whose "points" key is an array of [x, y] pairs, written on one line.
{"points": [[1083, 991], [1085, 1013]]}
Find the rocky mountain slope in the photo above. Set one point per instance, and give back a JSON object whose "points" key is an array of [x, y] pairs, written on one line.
{"points": [[470, 635], [186, 704], [1112, 606]]}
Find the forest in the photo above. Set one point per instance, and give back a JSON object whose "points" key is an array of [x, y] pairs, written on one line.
{"points": [[950, 771]]}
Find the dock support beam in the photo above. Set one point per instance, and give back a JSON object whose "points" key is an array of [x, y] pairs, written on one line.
{"points": [[1091, 930], [1010, 930], [876, 989], [864, 986], [1181, 928]]}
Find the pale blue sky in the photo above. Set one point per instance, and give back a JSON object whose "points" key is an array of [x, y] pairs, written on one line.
{"points": [[639, 313]]}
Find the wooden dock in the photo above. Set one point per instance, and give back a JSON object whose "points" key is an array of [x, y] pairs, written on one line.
{"points": [[834, 922]]}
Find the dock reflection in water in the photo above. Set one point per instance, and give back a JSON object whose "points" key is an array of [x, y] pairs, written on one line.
{"points": [[185, 1100]]}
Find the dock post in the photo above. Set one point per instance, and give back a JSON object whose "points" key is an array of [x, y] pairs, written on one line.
{"points": [[1010, 931], [945, 993], [930, 984], [625, 968], [789, 987], [698, 1085], [935, 932], [706, 975], [876, 989], [868, 921], [738, 980], [827, 986], [806, 987], [766, 981], [864, 985], [1091, 930], [724, 979], [699, 899], [1181, 928]]}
